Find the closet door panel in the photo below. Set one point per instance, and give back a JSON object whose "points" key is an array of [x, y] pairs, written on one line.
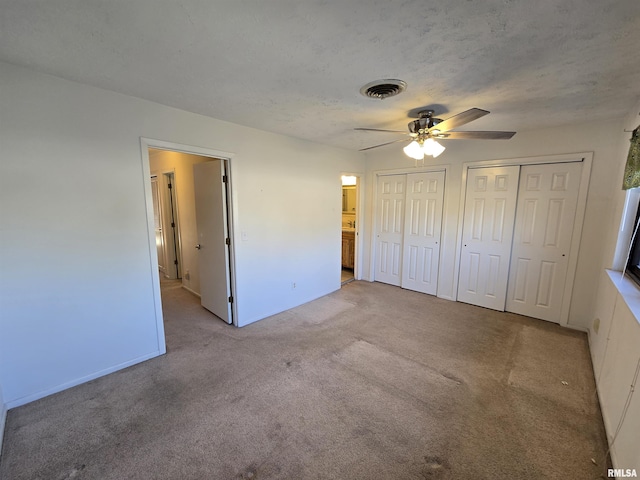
{"points": [[423, 225], [390, 226], [545, 218], [489, 213]]}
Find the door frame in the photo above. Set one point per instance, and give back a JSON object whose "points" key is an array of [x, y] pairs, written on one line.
{"points": [[376, 174], [145, 145], [587, 159]]}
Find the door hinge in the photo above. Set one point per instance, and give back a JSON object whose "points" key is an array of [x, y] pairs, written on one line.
{"points": [[169, 186], [173, 225], [230, 299], [228, 241], [175, 262], [225, 179]]}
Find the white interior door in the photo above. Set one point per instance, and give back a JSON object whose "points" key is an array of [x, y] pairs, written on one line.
{"points": [[166, 187], [390, 225], [157, 222], [422, 227], [547, 201], [213, 252], [487, 232]]}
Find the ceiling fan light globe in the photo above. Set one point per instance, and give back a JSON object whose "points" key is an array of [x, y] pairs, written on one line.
{"points": [[428, 146], [414, 150], [432, 148], [438, 151]]}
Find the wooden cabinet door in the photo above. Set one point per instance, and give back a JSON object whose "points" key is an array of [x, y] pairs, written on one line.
{"points": [[348, 249]]}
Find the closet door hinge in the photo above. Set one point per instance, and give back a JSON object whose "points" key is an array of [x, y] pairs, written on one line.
{"points": [[225, 179], [230, 299], [228, 241]]}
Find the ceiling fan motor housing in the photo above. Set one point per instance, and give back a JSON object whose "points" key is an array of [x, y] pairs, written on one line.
{"points": [[424, 123]]}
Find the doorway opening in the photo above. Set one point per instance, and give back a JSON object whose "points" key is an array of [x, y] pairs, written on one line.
{"points": [[350, 224], [205, 263]]}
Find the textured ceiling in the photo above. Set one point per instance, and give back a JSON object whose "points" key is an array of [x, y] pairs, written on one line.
{"points": [[296, 66]]}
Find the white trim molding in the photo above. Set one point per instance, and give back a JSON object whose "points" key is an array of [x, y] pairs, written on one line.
{"points": [[78, 381]]}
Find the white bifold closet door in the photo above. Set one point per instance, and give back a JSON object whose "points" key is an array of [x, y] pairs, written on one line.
{"points": [[408, 230], [546, 211], [487, 232], [517, 231]]}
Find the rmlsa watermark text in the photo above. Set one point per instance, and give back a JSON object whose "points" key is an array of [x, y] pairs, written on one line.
{"points": [[622, 473]]}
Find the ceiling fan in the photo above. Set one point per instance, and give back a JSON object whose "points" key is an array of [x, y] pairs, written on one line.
{"points": [[427, 128]]}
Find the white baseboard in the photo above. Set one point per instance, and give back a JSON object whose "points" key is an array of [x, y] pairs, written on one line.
{"points": [[578, 328], [191, 291], [50, 391], [609, 429]]}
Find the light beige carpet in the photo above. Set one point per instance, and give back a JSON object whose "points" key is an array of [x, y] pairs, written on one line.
{"points": [[371, 382]]}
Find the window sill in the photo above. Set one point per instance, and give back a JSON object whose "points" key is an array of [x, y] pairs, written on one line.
{"points": [[628, 290]]}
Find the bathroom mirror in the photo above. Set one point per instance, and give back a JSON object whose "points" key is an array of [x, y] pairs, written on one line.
{"points": [[349, 199]]}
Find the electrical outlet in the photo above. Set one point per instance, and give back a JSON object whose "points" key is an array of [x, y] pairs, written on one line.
{"points": [[293, 285], [187, 275]]}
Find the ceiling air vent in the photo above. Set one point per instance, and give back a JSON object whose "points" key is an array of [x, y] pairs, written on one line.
{"points": [[382, 89]]}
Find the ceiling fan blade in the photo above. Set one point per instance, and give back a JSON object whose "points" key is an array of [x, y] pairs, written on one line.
{"points": [[459, 119], [379, 130], [383, 144], [476, 135]]}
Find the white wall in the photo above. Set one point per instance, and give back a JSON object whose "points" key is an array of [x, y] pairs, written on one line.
{"points": [[554, 141], [76, 263]]}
